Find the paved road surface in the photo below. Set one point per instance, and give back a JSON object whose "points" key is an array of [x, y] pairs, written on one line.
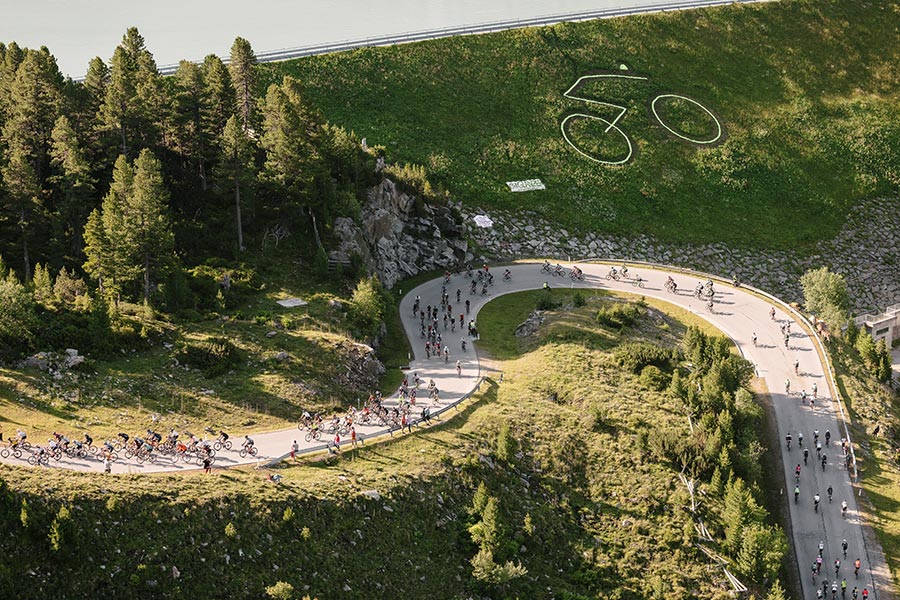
{"points": [[739, 314]]}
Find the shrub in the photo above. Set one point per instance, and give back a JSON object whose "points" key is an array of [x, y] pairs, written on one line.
{"points": [[68, 287], [280, 591], [653, 378], [635, 356], [214, 356], [545, 301], [17, 318], [578, 299], [618, 316], [367, 307]]}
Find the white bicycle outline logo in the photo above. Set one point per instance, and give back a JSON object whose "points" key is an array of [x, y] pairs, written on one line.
{"points": [[570, 94]]}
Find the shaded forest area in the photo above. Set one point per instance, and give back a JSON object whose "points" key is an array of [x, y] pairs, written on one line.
{"points": [[113, 189]]}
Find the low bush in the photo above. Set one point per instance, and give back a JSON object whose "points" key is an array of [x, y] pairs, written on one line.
{"points": [[636, 356], [619, 316], [214, 356], [653, 378]]}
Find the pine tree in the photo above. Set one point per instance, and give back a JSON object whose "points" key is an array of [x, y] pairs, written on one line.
{"points": [[95, 82], [17, 317], [12, 57], [243, 75], [236, 163], [190, 108], [42, 286], [117, 113], [106, 247], [488, 533], [73, 179], [134, 98], [291, 130], [24, 193], [220, 95], [147, 229], [777, 592], [34, 102]]}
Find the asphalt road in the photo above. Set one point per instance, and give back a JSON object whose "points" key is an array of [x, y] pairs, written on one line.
{"points": [[739, 314]]}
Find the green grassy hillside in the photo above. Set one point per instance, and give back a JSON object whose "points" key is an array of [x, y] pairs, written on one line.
{"points": [[567, 475], [807, 91]]}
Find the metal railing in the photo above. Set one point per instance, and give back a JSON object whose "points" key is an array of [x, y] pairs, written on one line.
{"points": [[491, 27]]}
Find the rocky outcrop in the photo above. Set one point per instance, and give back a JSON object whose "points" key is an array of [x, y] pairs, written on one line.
{"points": [[399, 235]]}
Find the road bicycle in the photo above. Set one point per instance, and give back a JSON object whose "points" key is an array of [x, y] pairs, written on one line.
{"points": [[252, 451], [717, 130]]}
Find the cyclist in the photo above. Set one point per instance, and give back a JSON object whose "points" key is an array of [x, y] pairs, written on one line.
{"points": [[788, 439], [805, 455], [624, 272], [827, 437], [837, 566], [844, 547], [772, 313], [844, 508], [797, 473], [796, 367], [463, 344], [800, 438], [796, 494], [458, 368], [248, 443], [787, 386], [754, 338], [856, 567], [507, 275], [824, 461], [815, 389], [821, 547], [830, 493], [88, 440], [816, 502]]}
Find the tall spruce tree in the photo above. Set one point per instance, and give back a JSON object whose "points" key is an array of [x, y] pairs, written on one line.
{"points": [[95, 82], [148, 232], [243, 76], [134, 99], [290, 134], [75, 184], [236, 164], [190, 110], [107, 252], [34, 101]]}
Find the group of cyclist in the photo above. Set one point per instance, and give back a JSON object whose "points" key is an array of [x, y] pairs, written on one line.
{"points": [[142, 447], [819, 443]]}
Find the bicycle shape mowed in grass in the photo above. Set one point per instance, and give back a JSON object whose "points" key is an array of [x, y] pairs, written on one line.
{"points": [[716, 135]]}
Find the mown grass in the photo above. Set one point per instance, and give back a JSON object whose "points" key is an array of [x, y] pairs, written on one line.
{"points": [[584, 505], [807, 91]]}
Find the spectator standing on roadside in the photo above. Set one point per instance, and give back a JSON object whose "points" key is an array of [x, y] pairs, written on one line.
{"points": [[295, 448]]}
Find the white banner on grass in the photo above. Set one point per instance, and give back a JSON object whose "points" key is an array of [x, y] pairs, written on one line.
{"points": [[528, 185]]}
